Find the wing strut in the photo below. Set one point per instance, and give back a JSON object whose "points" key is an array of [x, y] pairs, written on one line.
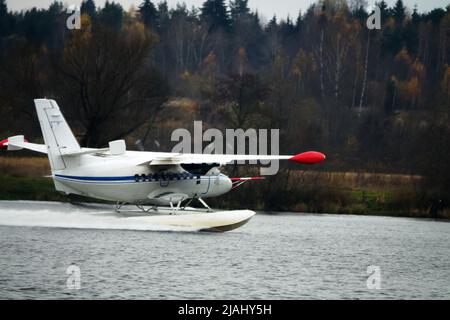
{"points": [[237, 182]]}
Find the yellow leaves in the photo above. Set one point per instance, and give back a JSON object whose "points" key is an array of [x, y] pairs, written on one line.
{"points": [[136, 31], [342, 25], [303, 65], [339, 18], [137, 27], [412, 87], [394, 80], [296, 70], [242, 54], [209, 67], [133, 30], [418, 68], [241, 60], [185, 75], [86, 23], [411, 73], [390, 23], [403, 56], [410, 90], [210, 59]]}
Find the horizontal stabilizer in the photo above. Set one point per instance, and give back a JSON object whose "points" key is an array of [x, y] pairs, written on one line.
{"points": [[19, 143], [115, 148]]}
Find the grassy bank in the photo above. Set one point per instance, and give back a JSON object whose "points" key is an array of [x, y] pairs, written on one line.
{"points": [[290, 190], [335, 201], [27, 188]]}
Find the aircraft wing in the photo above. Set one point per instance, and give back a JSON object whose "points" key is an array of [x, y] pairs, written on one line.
{"points": [[309, 157]]}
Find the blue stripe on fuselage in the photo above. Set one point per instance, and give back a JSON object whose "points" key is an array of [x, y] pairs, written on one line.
{"points": [[127, 178], [123, 178]]}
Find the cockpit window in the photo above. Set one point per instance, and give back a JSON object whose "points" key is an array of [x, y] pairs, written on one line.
{"points": [[200, 169]]}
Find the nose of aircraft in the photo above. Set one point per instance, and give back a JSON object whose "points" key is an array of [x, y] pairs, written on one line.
{"points": [[228, 184], [221, 184]]}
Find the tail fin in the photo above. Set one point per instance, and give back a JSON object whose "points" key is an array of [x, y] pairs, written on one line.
{"points": [[58, 137]]}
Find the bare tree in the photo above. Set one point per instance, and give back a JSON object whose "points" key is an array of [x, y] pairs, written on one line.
{"points": [[106, 77]]}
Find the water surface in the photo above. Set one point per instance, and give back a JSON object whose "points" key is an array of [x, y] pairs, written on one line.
{"points": [[289, 256]]}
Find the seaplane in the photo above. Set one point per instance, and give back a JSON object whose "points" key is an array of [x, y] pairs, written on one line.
{"points": [[161, 185]]}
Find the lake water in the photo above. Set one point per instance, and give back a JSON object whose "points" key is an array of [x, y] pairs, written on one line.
{"points": [[286, 256]]}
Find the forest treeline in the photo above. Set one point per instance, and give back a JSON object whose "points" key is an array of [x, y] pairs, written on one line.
{"points": [[372, 100]]}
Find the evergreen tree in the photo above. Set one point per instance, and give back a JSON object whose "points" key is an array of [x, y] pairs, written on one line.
{"points": [[287, 28], [398, 12], [88, 7], [273, 24], [256, 18], [148, 14], [40, 26], [238, 9], [415, 17], [360, 13], [111, 15], [384, 10], [5, 19], [3, 8], [299, 22], [435, 16], [214, 13], [163, 18], [180, 11]]}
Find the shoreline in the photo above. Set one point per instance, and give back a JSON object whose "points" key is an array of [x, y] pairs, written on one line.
{"points": [[359, 201]]}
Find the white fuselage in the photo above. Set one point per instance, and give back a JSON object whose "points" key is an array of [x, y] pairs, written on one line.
{"points": [[121, 178]]}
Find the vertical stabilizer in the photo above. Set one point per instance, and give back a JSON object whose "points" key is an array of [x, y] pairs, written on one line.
{"points": [[58, 137]]}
